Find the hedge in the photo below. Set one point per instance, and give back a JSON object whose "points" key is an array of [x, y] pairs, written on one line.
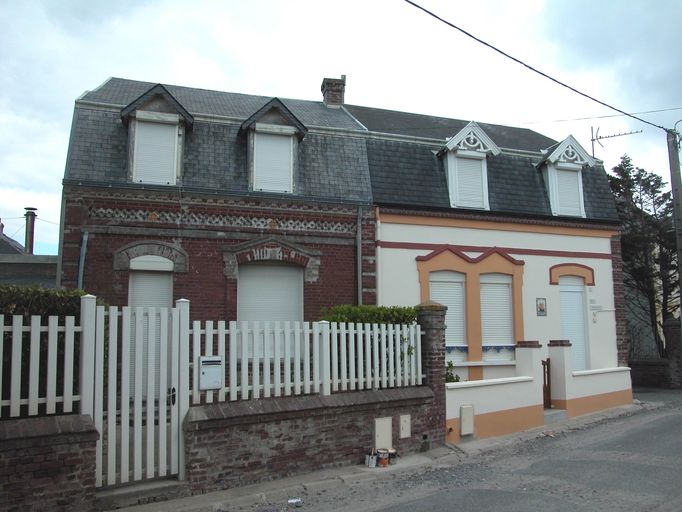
{"points": [[370, 314], [17, 300]]}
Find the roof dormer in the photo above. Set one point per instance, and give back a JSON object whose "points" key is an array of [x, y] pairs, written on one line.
{"points": [[466, 167], [562, 170]]}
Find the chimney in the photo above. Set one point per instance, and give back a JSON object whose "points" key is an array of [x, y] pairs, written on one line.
{"points": [[30, 229], [333, 90]]}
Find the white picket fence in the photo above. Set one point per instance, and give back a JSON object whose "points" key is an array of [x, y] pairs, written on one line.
{"points": [[273, 359], [138, 391]]}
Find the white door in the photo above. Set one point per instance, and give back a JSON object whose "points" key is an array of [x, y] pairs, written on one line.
{"points": [[270, 292], [573, 326]]}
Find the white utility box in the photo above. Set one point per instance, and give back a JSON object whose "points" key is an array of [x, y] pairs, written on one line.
{"points": [[210, 372]]}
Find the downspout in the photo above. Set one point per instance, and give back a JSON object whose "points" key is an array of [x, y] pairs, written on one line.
{"points": [[358, 255], [81, 260], [377, 255]]}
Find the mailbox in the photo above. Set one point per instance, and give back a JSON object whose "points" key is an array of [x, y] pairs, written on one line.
{"points": [[210, 372]]}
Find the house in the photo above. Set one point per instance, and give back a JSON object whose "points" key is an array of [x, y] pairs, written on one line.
{"points": [[19, 266], [253, 208], [258, 208]]}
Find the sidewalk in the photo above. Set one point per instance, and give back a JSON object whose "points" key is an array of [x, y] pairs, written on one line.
{"points": [[280, 491]]}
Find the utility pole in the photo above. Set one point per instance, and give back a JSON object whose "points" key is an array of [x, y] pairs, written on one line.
{"points": [[674, 347]]}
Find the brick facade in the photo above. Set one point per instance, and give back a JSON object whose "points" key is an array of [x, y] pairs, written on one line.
{"points": [[622, 340], [211, 237], [47, 463]]}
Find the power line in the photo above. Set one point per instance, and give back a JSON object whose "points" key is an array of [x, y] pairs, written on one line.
{"points": [[518, 61], [603, 117], [48, 221]]}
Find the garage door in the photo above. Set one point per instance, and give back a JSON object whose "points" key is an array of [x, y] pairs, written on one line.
{"points": [[267, 292]]}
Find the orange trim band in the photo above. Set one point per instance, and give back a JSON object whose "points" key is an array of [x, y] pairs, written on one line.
{"points": [[594, 403], [498, 423]]}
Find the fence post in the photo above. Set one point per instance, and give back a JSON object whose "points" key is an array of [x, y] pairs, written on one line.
{"points": [[326, 362], [87, 355], [431, 318], [183, 377]]}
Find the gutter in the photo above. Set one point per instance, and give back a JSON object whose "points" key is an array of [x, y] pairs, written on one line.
{"points": [[81, 260]]}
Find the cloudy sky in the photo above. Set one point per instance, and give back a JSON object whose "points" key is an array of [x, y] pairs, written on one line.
{"points": [[624, 52]]}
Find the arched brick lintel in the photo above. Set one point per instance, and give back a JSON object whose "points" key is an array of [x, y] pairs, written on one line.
{"points": [[273, 250], [571, 269], [173, 252]]}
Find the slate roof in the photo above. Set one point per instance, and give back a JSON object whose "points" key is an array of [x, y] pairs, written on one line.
{"points": [[9, 245], [418, 125], [121, 92]]}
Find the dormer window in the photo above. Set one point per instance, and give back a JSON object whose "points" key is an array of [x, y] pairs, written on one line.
{"points": [[466, 167], [273, 158], [155, 155], [562, 171], [273, 133], [156, 125]]}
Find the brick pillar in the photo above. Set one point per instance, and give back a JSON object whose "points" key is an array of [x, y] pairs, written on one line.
{"points": [[622, 339], [673, 347], [431, 318]]}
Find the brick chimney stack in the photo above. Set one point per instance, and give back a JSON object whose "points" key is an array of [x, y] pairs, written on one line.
{"points": [[333, 90], [30, 229]]}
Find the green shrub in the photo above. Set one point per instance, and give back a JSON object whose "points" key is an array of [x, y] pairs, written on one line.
{"points": [[17, 300], [370, 314]]}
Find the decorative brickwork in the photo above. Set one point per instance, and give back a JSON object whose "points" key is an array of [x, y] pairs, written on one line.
{"points": [[47, 463], [622, 340], [174, 253], [559, 343], [528, 344]]}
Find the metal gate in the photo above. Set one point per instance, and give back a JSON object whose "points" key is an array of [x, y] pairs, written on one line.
{"points": [[141, 392]]}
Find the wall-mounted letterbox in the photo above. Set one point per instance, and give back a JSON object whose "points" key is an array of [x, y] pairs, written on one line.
{"points": [[210, 372]]}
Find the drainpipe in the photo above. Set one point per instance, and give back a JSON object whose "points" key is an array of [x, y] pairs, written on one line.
{"points": [[81, 260], [30, 229], [358, 254]]}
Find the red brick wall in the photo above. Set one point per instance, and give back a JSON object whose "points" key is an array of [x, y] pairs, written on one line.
{"points": [[213, 295], [622, 340], [47, 463]]}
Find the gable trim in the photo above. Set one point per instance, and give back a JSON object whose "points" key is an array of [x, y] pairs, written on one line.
{"points": [[157, 90], [281, 108], [472, 138], [570, 153]]}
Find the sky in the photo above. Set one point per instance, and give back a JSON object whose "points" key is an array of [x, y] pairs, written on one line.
{"points": [[623, 52]]}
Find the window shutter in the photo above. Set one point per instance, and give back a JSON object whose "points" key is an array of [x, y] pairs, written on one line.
{"points": [[568, 192], [155, 155], [497, 324], [447, 288], [270, 293], [272, 162], [470, 182]]}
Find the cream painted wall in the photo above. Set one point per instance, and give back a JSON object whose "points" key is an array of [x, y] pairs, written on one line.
{"points": [[399, 282], [485, 395], [488, 237]]}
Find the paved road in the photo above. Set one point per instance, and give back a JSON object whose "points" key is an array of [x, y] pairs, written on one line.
{"points": [[626, 464]]}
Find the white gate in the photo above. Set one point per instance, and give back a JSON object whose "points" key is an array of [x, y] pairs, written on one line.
{"points": [[141, 386]]}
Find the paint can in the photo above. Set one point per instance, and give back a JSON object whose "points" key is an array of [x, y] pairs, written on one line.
{"points": [[382, 460], [392, 457], [371, 460]]}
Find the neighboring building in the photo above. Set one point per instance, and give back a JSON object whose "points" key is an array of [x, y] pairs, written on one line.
{"points": [[19, 266]]}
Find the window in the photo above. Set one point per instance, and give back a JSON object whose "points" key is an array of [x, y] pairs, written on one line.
{"points": [[273, 158], [497, 315], [565, 189], [269, 292], [447, 288], [467, 180], [155, 148]]}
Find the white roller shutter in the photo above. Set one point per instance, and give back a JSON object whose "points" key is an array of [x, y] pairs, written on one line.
{"points": [[447, 288], [470, 182], [155, 155], [497, 321], [268, 292], [572, 310], [272, 162], [149, 289], [568, 192]]}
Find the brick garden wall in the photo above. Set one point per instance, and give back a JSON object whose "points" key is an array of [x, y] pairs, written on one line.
{"points": [[47, 463], [239, 443], [622, 340]]}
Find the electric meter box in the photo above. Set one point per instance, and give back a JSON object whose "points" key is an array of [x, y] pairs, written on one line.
{"points": [[210, 373]]}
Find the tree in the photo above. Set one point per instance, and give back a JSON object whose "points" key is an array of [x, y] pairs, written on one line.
{"points": [[648, 245]]}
